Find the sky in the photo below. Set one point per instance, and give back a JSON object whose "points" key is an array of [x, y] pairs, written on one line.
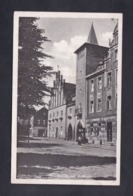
{"points": [[68, 34]]}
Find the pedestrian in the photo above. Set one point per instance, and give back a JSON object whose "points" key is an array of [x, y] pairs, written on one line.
{"points": [[100, 142], [79, 141]]}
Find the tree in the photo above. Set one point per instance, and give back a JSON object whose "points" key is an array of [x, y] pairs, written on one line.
{"points": [[32, 71]]}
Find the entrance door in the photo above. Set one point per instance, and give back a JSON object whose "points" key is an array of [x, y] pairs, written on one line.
{"points": [[109, 131], [56, 132], [70, 132], [79, 130], [40, 132]]}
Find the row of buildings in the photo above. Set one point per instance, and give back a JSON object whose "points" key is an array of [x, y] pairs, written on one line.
{"points": [[89, 107]]}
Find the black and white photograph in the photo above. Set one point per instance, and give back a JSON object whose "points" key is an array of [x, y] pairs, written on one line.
{"points": [[66, 98]]}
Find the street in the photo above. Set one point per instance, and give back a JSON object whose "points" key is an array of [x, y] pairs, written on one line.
{"points": [[56, 158]]}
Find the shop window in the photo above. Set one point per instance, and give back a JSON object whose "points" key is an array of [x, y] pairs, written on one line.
{"points": [[109, 100], [97, 131]]}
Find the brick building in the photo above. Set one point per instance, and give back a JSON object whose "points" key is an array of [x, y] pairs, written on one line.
{"points": [[96, 88], [57, 113]]}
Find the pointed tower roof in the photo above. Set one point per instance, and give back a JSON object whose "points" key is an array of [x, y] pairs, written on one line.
{"points": [[92, 39]]}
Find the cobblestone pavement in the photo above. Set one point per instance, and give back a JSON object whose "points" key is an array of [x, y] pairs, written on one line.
{"points": [[54, 158]]}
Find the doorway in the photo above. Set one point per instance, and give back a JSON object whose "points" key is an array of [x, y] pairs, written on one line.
{"points": [[109, 131], [70, 132], [40, 132], [56, 134]]}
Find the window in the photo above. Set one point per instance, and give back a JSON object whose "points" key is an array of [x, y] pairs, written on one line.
{"points": [[80, 108], [80, 105], [38, 122], [61, 112], [53, 132], [50, 115], [99, 105], [109, 98], [57, 114], [99, 82], [91, 106], [70, 110], [49, 130], [80, 73], [116, 72], [53, 114], [43, 122], [109, 79], [61, 130], [116, 53], [92, 86], [80, 91]]}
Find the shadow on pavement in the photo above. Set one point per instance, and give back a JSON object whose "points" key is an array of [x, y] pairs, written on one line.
{"points": [[32, 159], [103, 178], [36, 145], [41, 172]]}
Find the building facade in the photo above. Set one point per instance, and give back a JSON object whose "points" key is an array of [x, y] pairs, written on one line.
{"points": [[57, 114], [71, 120], [96, 88], [38, 123]]}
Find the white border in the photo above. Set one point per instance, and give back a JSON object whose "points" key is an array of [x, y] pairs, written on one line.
{"points": [[14, 98]]}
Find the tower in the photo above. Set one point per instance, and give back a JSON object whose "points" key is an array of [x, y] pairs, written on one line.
{"points": [[88, 57], [92, 39]]}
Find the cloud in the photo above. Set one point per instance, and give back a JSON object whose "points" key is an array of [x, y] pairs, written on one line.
{"points": [[105, 38], [77, 41], [65, 49], [63, 53]]}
